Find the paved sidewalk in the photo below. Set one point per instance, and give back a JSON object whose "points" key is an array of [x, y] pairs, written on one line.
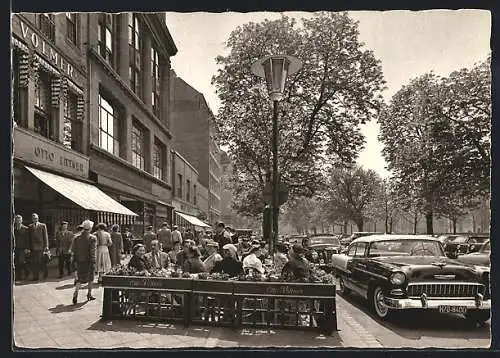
{"points": [[44, 317]]}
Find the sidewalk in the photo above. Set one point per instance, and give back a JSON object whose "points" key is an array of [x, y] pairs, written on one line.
{"points": [[44, 317]]}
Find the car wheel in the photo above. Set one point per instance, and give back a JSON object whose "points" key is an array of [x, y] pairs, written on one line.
{"points": [[343, 291], [478, 316], [376, 299]]}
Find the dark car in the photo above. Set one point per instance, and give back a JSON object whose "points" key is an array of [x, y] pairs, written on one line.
{"points": [[480, 257], [455, 245], [402, 272], [324, 246]]}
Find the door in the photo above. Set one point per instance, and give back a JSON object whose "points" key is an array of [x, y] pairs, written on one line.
{"points": [[358, 268]]}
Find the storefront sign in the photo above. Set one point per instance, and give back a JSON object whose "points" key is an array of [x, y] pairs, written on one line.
{"points": [[35, 149]]}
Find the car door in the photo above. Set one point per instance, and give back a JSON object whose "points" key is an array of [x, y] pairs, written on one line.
{"points": [[351, 250], [357, 267]]}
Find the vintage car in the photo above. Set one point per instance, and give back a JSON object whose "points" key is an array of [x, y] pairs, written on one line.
{"points": [[401, 272], [324, 246], [480, 258], [455, 245], [346, 241]]}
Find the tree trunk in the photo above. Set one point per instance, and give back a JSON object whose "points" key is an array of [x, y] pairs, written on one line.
{"points": [[473, 223], [454, 222], [387, 224], [415, 223], [390, 227], [374, 226], [345, 227], [359, 224], [429, 222], [315, 231]]}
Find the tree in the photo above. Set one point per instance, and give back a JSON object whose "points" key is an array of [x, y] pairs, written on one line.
{"points": [[352, 193], [337, 89], [436, 139], [456, 207]]}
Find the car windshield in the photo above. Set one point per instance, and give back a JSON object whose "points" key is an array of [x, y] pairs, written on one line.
{"points": [[458, 239], [405, 247], [486, 247], [330, 240]]}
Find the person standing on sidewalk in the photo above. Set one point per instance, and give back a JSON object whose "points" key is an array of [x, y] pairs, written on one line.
{"points": [[176, 235], [22, 246], [84, 250], [64, 239], [149, 236], [116, 249], [165, 238], [103, 243], [39, 244]]}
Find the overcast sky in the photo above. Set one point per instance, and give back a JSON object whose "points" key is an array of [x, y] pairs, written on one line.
{"points": [[408, 44]]}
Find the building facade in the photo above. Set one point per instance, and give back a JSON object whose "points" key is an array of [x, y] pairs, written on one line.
{"points": [[91, 131], [193, 131]]}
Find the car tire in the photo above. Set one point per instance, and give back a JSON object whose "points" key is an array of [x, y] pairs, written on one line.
{"points": [[478, 316], [343, 291], [375, 299]]}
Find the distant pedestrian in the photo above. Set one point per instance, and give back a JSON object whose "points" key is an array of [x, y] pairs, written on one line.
{"points": [[21, 248], [116, 249], [103, 243], [39, 245], [127, 241], [165, 238], [176, 235], [149, 236], [64, 239], [84, 250]]}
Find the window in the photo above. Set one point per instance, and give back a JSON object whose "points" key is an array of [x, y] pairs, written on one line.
{"points": [[179, 185], [108, 126], [137, 146], [105, 37], [72, 126], [194, 194], [155, 74], [43, 122], [135, 53], [45, 22], [360, 249], [188, 190], [158, 163], [72, 27]]}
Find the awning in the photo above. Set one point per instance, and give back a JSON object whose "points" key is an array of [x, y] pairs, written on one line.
{"points": [[193, 220], [85, 195]]}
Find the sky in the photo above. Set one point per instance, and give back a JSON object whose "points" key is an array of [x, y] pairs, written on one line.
{"points": [[408, 44]]}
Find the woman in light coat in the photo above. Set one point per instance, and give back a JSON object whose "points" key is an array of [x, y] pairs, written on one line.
{"points": [[116, 250], [103, 261]]}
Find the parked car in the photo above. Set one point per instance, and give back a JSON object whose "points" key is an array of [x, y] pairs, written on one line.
{"points": [[481, 257], [325, 246], [402, 272], [455, 245], [346, 241]]}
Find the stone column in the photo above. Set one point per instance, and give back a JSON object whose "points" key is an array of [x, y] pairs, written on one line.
{"points": [[146, 72], [150, 141], [126, 137], [123, 47], [165, 91]]}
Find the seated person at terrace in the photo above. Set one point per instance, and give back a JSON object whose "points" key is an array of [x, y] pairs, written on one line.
{"points": [[138, 260], [158, 259], [229, 264], [212, 255], [183, 255], [251, 261], [297, 268], [193, 264], [172, 254]]}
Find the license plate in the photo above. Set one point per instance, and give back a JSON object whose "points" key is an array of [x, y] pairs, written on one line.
{"points": [[452, 309]]}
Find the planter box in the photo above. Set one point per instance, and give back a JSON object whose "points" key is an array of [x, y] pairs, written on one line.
{"points": [[284, 289], [152, 283], [212, 303]]}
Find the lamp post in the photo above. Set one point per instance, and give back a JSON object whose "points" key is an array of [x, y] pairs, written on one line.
{"points": [[275, 70]]}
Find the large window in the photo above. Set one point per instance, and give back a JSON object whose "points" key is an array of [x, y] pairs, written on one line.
{"points": [[43, 121], [108, 126], [72, 27], [45, 22], [155, 74], [188, 190], [134, 41], [158, 161], [72, 126], [138, 146], [106, 37], [179, 185]]}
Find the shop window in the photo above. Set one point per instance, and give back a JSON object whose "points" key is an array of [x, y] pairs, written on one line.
{"points": [[45, 22], [109, 129], [134, 41], [105, 37], [72, 27], [188, 191], [43, 121], [158, 161], [179, 185], [72, 126], [138, 152], [155, 74]]}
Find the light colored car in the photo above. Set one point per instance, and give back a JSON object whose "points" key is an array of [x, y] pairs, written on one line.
{"points": [[480, 258]]}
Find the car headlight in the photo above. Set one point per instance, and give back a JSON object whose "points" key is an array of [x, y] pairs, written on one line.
{"points": [[398, 278]]}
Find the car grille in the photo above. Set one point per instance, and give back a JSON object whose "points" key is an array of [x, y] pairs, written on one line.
{"points": [[457, 289]]}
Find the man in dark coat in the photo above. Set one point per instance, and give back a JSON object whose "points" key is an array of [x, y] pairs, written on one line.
{"points": [[165, 238], [39, 244], [149, 236], [22, 246], [222, 236], [64, 239], [297, 268]]}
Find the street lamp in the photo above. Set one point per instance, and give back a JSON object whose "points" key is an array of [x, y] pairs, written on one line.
{"points": [[275, 70]]}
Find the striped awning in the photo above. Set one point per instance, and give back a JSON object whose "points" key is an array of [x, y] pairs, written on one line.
{"points": [[80, 108], [192, 220]]}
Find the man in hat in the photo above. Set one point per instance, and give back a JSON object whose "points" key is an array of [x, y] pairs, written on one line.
{"points": [[176, 235], [165, 237], [64, 239], [244, 245], [149, 236], [297, 268], [84, 252], [212, 255], [222, 236], [22, 245], [39, 245]]}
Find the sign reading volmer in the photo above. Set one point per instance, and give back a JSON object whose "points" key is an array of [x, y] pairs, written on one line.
{"points": [[32, 148]]}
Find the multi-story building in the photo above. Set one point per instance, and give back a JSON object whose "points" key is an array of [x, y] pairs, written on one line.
{"points": [[193, 130], [91, 123]]}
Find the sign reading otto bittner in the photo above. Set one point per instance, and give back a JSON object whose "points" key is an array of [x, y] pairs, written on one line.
{"points": [[38, 150]]}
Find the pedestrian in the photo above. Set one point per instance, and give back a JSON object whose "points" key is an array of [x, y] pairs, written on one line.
{"points": [[193, 264], [149, 236], [230, 264], [213, 256], [21, 248], [84, 253], [158, 259], [165, 238], [176, 235], [222, 236], [127, 241], [64, 239], [116, 249], [39, 246], [103, 243]]}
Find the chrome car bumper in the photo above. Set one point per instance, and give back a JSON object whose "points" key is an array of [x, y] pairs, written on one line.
{"points": [[424, 303]]}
